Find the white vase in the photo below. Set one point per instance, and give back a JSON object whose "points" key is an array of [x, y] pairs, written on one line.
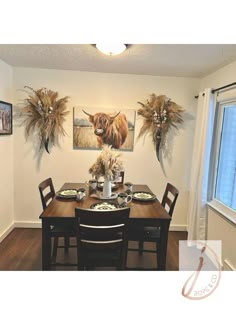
{"points": [[106, 188]]}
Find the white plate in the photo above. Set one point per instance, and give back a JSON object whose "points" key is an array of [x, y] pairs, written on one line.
{"points": [[67, 193], [113, 196], [143, 196], [103, 206]]}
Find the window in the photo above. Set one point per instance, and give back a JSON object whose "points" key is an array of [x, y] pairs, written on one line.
{"points": [[224, 190]]}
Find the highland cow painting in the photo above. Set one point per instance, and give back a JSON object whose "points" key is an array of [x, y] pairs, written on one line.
{"points": [[93, 127]]}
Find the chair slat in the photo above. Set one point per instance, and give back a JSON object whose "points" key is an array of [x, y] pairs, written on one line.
{"points": [[45, 197]]}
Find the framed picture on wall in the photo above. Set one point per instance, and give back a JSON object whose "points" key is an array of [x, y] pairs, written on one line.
{"points": [[93, 127], [5, 118]]}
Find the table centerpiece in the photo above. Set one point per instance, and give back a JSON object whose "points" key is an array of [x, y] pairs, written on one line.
{"points": [[108, 165]]}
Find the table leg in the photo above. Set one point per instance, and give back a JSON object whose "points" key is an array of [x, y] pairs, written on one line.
{"points": [[46, 246], [163, 245]]}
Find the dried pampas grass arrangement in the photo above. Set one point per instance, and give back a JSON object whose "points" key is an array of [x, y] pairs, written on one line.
{"points": [[160, 114], [107, 165], [45, 115]]}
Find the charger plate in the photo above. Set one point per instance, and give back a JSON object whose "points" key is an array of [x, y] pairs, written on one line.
{"points": [[143, 196], [113, 196], [67, 193]]}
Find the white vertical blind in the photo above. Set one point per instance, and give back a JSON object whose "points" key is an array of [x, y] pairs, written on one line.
{"points": [[226, 175]]}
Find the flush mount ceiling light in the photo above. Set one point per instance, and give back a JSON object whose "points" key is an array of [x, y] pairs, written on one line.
{"points": [[111, 49]]}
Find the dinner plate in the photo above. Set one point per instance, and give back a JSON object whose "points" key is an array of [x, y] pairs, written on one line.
{"points": [[143, 196], [67, 193], [104, 206]]}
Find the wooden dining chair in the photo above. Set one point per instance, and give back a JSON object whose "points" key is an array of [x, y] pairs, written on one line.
{"points": [[152, 234], [120, 179], [67, 230], [102, 238]]}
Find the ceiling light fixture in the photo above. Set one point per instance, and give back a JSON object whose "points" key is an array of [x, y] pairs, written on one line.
{"points": [[111, 49]]}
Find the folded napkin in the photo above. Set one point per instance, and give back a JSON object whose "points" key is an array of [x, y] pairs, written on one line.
{"points": [[80, 195]]}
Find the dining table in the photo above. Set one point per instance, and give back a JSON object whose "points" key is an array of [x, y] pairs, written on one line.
{"points": [[144, 213]]}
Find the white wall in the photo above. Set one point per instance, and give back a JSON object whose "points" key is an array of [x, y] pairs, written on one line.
{"points": [[218, 227], [221, 77], [67, 165], [6, 156], [221, 229]]}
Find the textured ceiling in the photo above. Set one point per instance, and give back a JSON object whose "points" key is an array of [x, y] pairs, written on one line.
{"points": [[160, 60]]}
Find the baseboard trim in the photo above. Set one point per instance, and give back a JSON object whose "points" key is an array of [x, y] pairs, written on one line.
{"points": [[6, 232], [228, 266], [28, 224], [178, 228]]}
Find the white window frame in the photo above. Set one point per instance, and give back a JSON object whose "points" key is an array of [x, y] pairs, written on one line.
{"points": [[228, 212]]}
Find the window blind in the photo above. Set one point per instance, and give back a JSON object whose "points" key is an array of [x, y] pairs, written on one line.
{"points": [[226, 173]]}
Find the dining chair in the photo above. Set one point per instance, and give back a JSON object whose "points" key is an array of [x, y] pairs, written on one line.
{"points": [[102, 238], [142, 234], [65, 230], [120, 179]]}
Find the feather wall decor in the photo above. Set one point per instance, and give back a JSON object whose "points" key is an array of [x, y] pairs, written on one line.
{"points": [[160, 114], [45, 114]]}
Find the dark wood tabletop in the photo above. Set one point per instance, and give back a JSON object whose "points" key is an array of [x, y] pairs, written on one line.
{"points": [[65, 208], [141, 212]]}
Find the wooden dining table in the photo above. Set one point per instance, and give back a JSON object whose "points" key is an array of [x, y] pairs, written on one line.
{"points": [[142, 212]]}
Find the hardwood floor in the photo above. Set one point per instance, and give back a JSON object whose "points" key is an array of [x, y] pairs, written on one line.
{"points": [[21, 250]]}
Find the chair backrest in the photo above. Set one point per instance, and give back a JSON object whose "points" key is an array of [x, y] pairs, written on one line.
{"points": [[169, 198], [120, 179], [47, 192], [103, 232]]}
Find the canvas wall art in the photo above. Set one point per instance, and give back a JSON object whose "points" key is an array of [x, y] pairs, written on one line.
{"points": [[93, 127], [5, 118]]}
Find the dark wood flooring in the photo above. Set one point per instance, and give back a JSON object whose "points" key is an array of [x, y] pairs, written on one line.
{"points": [[21, 250]]}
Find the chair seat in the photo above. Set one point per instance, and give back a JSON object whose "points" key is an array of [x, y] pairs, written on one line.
{"points": [[145, 234], [100, 256], [63, 230]]}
